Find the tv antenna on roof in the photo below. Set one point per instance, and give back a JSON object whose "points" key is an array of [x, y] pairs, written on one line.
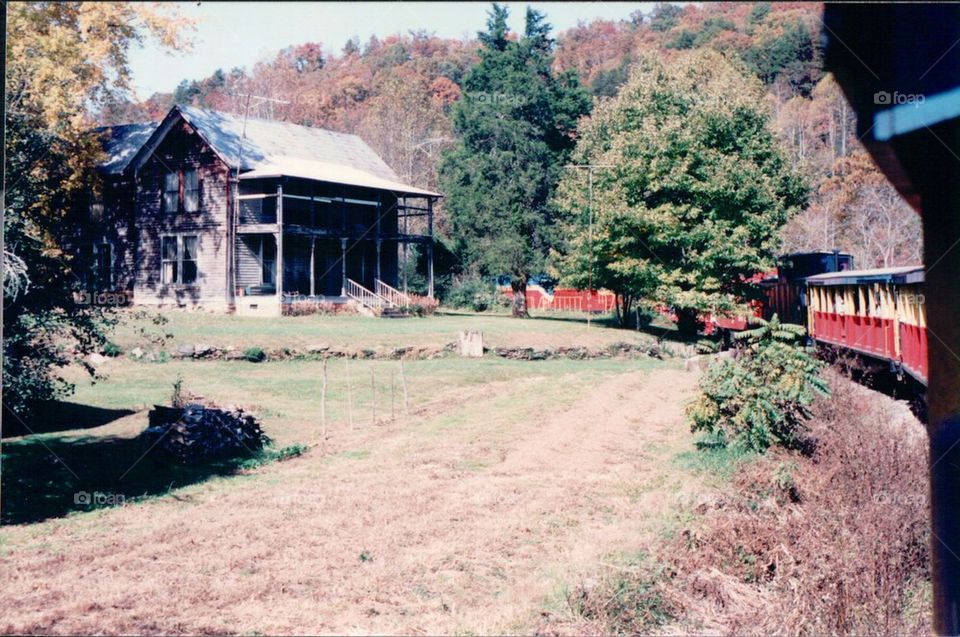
{"points": [[236, 199]]}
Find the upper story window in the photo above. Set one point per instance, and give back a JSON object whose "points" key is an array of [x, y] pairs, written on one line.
{"points": [[181, 190], [191, 190]]}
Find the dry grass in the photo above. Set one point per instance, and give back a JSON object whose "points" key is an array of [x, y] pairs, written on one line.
{"points": [[835, 543], [461, 518]]}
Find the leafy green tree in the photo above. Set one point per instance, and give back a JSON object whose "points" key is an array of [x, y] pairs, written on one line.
{"points": [[695, 193], [64, 59], [516, 122]]}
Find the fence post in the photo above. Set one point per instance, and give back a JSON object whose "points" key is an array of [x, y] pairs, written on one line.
{"points": [[403, 383], [323, 400], [346, 362]]}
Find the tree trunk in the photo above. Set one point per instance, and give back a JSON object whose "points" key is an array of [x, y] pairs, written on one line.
{"points": [[519, 305], [687, 323], [624, 301]]}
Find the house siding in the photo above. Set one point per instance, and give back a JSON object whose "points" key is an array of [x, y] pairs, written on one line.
{"points": [[183, 148]]}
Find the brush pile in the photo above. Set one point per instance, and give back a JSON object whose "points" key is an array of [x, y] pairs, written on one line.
{"points": [[195, 433]]}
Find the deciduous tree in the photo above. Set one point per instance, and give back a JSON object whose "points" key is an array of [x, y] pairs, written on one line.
{"points": [[697, 192], [64, 60]]}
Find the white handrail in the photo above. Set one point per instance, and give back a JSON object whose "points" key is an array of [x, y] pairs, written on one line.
{"points": [[365, 297], [391, 294]]}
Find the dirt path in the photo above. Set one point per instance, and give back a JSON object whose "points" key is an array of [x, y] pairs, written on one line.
{"points": [[434, 530]]}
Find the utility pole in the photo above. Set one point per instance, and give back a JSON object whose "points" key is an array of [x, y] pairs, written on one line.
{"points": [[589, 168]]}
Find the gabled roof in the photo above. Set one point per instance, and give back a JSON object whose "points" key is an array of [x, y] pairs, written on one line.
{"points": [[121, 143], [272, 148]]}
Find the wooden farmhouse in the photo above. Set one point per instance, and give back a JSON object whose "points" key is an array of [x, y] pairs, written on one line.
{"points": [[205, 209]]}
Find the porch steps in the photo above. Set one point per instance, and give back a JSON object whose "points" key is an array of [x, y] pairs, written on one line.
{"points": [[386, 302], [394, 313]]}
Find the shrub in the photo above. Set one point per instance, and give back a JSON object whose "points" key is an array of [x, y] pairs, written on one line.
{"points": [[311, 306], [254, 354], [472, 293], [832, 544], [112, 350], [630, 601], [762, 398], [422, 305]]}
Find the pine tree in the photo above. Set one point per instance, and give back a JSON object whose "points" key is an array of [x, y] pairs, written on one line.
{"points": [[516, 122]]}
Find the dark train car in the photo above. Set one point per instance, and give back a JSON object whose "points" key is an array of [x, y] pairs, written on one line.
{"points": [[786, 292], [785, 289]]}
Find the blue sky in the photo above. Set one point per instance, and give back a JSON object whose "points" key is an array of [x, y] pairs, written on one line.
{"points": [[231, 34]]}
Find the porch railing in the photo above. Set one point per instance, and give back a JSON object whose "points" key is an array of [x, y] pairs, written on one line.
{"points": [[391, 294], [365, 297]]}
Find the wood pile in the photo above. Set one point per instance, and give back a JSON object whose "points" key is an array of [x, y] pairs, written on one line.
{"points": [[196, 433]]}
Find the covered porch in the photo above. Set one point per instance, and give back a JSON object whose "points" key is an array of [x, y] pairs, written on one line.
{"points": [[306, 240]]}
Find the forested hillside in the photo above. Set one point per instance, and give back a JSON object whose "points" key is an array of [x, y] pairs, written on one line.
{"points": [[397, 94]]}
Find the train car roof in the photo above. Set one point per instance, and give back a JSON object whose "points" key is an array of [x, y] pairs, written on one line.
{"points": [[902, 274]]}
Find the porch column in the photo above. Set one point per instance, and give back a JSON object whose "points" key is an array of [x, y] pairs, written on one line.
{"points": [[379, 242], [313, 268], [430, 247], [343, 267], [279, 239], [430, 269], [406, 245]]}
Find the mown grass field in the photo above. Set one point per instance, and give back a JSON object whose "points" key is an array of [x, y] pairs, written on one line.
{"points": [[499, 330], [465, 513], [105, 415]]}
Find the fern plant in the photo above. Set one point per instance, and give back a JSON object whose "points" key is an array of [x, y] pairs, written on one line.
{"points": [[766, 332], [762, 398]]}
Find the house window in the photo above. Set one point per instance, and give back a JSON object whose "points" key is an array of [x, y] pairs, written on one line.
{"points": [[178, 259], [171, 191], [96, 208], [96, 265], [191, 190], [103, 265], [181, 190]]}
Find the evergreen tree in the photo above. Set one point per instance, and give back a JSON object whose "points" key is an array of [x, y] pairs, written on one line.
{"points": [[516, 121]]}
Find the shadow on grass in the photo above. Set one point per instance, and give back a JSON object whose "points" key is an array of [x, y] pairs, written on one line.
{"points": [[45, 477], [58, 415]]}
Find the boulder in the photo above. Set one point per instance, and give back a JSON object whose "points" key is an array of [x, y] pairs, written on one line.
{"points": [[202, 349], [136, 353], [96, 359], [318, 348], [182, 351]]}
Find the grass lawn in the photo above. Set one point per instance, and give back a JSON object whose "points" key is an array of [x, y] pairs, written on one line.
{"points": [[499, 330], [90, 443]]}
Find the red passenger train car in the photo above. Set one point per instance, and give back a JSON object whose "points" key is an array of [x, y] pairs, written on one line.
{"points": [[877, 313]]}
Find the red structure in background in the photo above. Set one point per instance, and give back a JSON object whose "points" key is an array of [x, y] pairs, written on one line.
{"points": [[567, 299]]}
